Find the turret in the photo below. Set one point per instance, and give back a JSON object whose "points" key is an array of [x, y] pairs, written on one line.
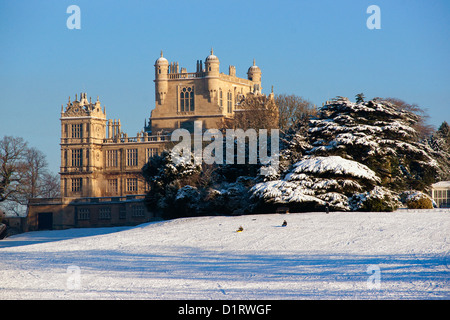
{"points": [[212, 65], [254, 74], [161, 78], [212, 75]]}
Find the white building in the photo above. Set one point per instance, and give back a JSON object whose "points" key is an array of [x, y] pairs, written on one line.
{"points": [[441, 194]]}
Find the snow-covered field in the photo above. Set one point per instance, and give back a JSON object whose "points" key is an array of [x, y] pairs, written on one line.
{"points": [[342, 255]]}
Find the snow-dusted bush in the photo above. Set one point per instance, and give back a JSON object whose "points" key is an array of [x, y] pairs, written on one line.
{"points": [[316, 182], [416, 200], [165, 178], [186, 201], [378, 199]]}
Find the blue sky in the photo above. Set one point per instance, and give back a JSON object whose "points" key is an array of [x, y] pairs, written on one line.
{"points": [[314, 49]]}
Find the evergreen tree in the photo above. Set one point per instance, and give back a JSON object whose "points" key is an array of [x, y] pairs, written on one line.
{"points": [[360, 98], [165, 177], [439, 143], [443, 133], [354, 156], [316, 182], [377, 134]]}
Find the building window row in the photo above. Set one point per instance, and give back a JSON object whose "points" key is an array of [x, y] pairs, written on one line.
{"points": [[112, 158], [77, 184], [132, 157], [112, 185], [77, 157], [84, 214], [132, 184], [442, 198], [104, 213], [77, 130], [137, 211]]}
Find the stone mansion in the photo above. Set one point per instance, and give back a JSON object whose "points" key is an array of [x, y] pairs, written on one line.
{"points": [[101, 181]]}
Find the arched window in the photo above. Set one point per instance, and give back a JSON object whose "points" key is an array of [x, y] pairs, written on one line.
{"points": [[187, 99], [220, 98]]}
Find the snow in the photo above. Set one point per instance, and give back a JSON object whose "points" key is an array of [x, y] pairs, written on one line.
{"points": [[441, 184], [336, 165], [280, 191], [317, 256], [414, 195]]}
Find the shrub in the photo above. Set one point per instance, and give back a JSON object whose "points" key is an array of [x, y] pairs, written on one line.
{"points": [[420, 202], [416, 200], [379, 199]]}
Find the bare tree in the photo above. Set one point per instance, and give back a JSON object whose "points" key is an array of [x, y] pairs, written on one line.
{"points": [[23, 174], [293, 109], [12, 168], [360, 97], [36, 167], [255, 112], [51, 187]]}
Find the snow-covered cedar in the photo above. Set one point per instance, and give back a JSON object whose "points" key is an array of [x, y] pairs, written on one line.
{"points": [[348, 149], [377, 134], [320, 181]]}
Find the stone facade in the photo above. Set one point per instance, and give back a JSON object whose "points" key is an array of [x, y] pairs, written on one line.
{"points": [[207, 95], [97, 158], [63, 213]]}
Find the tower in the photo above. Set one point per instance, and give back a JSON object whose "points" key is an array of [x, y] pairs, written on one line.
{"points": [[212, 73], [254, 75], [83, 131], [161, 79]]}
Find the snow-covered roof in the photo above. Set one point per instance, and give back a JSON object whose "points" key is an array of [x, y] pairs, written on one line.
{"points": [[441, 184]]}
